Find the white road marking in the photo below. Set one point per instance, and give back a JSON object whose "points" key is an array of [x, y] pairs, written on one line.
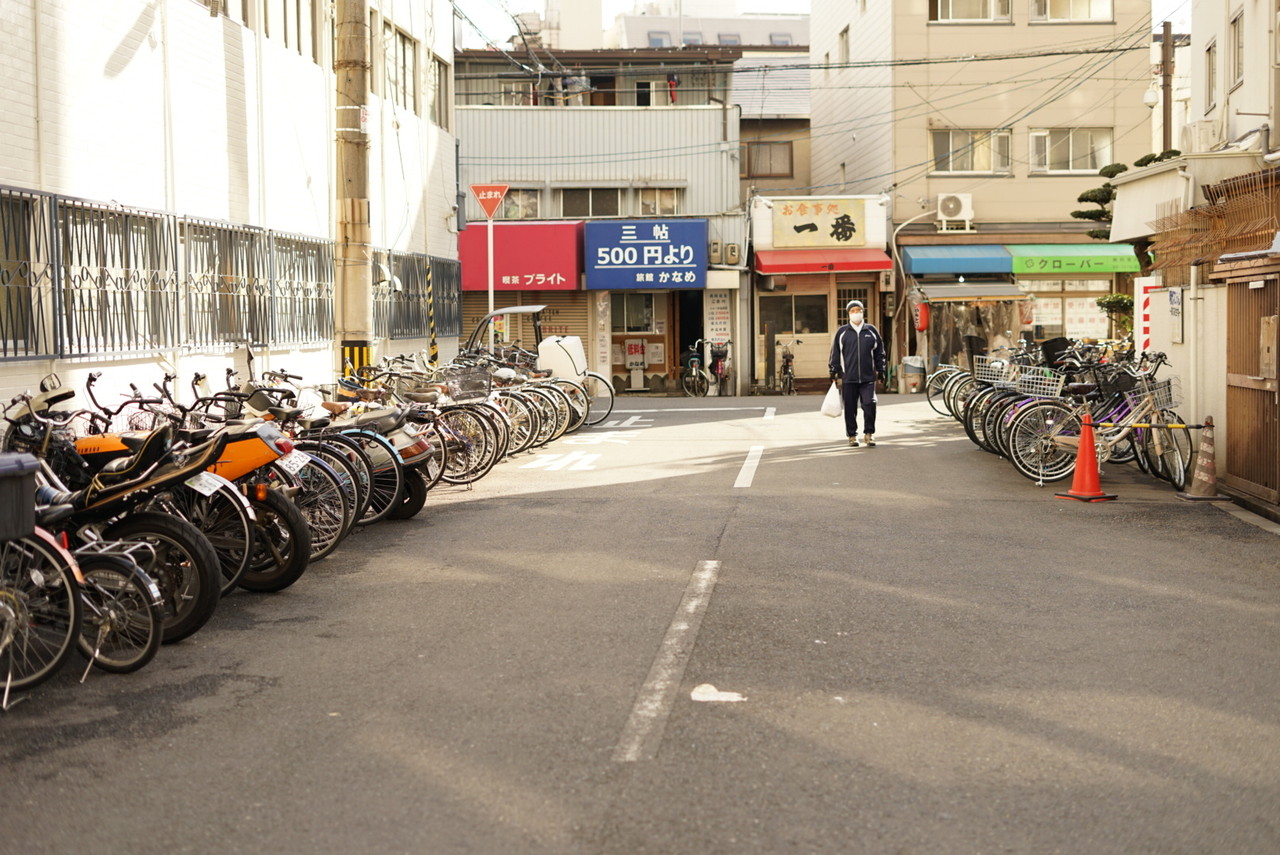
{"points": [[748, 471], [769, 412], [692, 410], [574, 460], [643, 731], [707, 693]]}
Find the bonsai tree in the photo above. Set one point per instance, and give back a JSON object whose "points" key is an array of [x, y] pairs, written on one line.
{"points": [[1118, 307], [1103, 196]]}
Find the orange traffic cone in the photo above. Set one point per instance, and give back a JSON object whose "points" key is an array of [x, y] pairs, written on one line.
{"points": [[1084, 484], [1204, 480]]}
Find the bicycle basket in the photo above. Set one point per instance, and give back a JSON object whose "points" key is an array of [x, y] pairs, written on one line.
{"points": [[466, 382], [988, 370], [1165, 394], [1040, 382], [719, 351]]}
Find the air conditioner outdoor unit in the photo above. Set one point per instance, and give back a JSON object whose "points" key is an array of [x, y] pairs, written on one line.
{"points": [[1200, 136], [713, 253], [955, 208], [731, 253]]}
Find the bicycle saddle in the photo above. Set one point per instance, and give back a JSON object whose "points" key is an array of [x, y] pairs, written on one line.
{"points": [[1081, 388]]}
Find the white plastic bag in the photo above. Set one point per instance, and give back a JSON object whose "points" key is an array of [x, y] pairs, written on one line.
{"points": [[833, 403]]}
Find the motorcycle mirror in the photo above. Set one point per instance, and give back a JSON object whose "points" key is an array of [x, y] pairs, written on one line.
{"points": [[49, 383]]}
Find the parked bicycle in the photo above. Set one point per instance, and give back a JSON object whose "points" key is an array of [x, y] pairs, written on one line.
{"points": [[693, 377], [787, 367], [720, 378]]}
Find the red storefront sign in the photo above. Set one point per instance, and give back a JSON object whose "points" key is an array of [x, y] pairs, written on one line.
{"points": [[526, 256]]}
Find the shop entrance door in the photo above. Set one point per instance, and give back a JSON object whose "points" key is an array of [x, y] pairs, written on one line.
{"points": [[688, 322]]}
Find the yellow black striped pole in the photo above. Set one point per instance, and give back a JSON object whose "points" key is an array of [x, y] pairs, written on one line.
{"points": [[356, 355], [434, 349]]}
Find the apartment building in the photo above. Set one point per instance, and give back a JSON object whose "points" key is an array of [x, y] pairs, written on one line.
{"points": [[621, 212], [981, 122], [1206, 225], [172, 189]]}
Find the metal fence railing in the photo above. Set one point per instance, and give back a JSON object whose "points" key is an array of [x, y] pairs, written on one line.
{"points": [[79, 278]]}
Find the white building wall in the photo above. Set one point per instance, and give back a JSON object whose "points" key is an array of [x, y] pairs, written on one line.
{"points": [[852, 126], [159, 105], [1234, 105]]}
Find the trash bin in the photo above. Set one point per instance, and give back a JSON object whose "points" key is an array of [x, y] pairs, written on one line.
{"points": [[17, 494], [913, 373]]}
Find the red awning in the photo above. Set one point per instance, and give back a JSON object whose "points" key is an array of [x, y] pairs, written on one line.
{"points": [[774, 261]]}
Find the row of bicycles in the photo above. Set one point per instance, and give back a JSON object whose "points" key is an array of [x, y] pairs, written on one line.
{"points": [[127, 522], [1029, 404]]}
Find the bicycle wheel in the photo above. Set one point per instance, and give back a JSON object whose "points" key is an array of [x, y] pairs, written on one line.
{"points": [[225, 518], [122, 618], [283, 544], [324, 505], [184, 565], [958, 393], [40, 611], [470, 445], [348, 475], [788, 384], [933, 389], [1033, 446], [564, 409], [600, 390], [688, 381], [524, 420], [975, 413], [388, 473], [362, 466], [1177, 455], [579, 402], [413, 497]]}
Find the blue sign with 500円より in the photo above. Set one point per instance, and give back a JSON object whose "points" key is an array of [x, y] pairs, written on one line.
{"points": [[646, 254]]}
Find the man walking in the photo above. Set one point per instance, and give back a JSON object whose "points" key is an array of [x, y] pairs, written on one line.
{"points": [[858, 355]]}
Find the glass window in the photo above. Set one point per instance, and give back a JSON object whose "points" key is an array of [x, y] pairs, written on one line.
{"points": [[1211, 75], [438, 108], [400, 68], [842, 45], [589, 202], [788, 314], [1236, 44], [659, 38], [968, 10], [659, 201], [1067, 308], [632, 313], [519, 205], [767, 159], [779, 38], [971, 151], [1071, 10], [692, 38], [1070, 149], [729, 39]]}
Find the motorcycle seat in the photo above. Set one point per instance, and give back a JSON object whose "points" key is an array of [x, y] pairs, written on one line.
{"points": [[154, 448], [423, 397]]}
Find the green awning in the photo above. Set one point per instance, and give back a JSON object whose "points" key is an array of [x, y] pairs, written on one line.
{"points": [[1050, 259]]}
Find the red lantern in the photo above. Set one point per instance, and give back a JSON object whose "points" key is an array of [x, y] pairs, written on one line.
{"points": [[921, 313]]}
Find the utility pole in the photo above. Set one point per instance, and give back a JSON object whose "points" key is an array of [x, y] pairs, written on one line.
{"points": [[353, 259], [1166, 85]]}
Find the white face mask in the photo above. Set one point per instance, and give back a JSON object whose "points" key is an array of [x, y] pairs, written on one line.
{"points": [[855, 317]]}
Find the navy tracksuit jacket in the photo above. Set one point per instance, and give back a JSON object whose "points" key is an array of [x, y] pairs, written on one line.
{"points": [[858, 356]]}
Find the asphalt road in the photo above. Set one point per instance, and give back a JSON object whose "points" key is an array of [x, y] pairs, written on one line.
{"points": [[638, 640]]}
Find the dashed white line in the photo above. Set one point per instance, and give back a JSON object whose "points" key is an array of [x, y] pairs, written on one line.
{"points": [[748, 471], [643, 731]]}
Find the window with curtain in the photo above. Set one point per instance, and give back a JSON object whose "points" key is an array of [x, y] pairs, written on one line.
{"points": [[1070, 149], [968, 10], [632, 313], [1071, 10], [971, 151]]}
